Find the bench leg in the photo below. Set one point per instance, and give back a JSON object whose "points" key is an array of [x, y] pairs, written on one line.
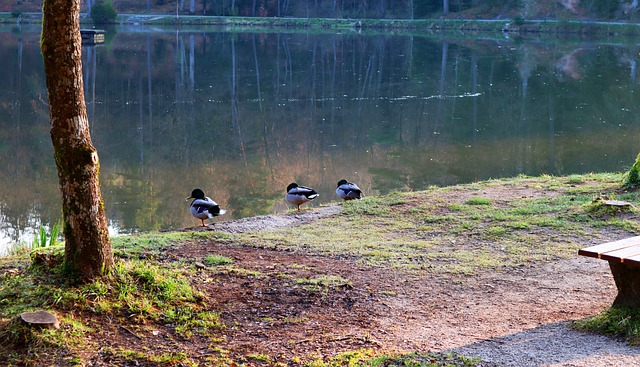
{"points": [[627, 280]]}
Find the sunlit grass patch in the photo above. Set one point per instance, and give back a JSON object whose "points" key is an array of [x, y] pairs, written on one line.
{"points": [[157, 358], [439, 219], [628, 225], [478, 201], [160, 284], [519, 225], [135, 291], [551, 222], [530, 207], [429, 223], [217, 260], [151, 243], [576, 179], [373, 205], [371, 358], [323, 282], [189, 323], [492, 232]]}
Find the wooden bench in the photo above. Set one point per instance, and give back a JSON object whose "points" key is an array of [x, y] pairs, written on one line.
{"points": [[624, 260]]}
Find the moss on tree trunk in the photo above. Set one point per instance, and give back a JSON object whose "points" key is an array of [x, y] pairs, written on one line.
{"points": [[87, 245]]}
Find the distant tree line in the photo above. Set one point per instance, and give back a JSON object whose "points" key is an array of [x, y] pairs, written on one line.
{"points": [[391, 9]]}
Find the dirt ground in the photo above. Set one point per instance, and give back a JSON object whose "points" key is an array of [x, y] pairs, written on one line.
{"points": [[393, 310], [517, 317]]}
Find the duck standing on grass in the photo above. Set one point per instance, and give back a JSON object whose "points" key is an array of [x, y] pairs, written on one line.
{"points": [[203, 207], [298, 195], [348, 190]]}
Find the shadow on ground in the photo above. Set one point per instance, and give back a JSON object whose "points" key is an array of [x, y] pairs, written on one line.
{"points": [[553, 345]]}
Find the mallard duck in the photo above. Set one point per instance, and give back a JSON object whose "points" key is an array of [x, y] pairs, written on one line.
{"points": [[298, 195], [348, 190], [203, 207]]}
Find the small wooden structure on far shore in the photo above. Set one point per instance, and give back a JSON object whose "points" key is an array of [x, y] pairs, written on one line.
{"points": [[92, 36]]}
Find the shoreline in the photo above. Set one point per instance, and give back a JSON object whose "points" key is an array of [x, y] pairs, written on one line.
{"points": [[504, 26]]}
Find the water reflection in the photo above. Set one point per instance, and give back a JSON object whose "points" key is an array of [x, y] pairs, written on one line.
{"points": [[241, 115]]}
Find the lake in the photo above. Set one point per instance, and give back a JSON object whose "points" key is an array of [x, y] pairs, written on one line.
{"points": [[241, 115]]}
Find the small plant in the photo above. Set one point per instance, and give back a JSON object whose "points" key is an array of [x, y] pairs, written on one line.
{"points": [[43, 240], [217, 260], [633, 176]]}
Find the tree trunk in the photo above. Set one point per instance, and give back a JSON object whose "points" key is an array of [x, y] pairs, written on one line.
{"points": [[87, 245]]}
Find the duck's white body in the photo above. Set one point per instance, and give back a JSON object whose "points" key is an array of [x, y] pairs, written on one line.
{"points": [[203, 207], [348, 190], [298, 195]]}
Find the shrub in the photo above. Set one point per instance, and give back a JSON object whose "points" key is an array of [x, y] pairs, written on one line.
{"points": [[633, 176], [103, 12], [518, 20]]}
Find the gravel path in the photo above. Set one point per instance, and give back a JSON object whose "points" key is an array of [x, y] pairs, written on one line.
{"points": [[553, 345], [270, 222]]}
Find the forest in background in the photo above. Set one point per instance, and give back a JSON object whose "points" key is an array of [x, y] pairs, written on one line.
{"points": [[587, 10]]}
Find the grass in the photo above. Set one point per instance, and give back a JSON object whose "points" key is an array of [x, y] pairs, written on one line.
{"points": [[323, 282], [162, 359], [217, 260], [42, 238], [614, 321], [137, 295], [431, 229], [150, 245], [478, 201], [371, 358]]}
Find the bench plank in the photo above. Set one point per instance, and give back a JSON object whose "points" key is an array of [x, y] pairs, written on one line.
{"points": [[632, 259], [598, 250], [622, 255]]}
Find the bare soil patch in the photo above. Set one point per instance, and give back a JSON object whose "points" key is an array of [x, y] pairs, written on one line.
{"points": [[394, 310]]}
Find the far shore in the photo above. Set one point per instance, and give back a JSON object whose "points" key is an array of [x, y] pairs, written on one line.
{"points": [[504, 26]]}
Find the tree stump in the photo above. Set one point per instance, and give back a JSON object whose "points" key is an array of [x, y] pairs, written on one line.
{"points": [[41, 319]]}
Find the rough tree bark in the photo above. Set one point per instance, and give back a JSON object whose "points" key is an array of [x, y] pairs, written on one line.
{"points": [[87, 245]]}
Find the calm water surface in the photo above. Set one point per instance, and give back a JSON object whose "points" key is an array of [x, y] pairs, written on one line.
{"points": [[241, 115]]}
